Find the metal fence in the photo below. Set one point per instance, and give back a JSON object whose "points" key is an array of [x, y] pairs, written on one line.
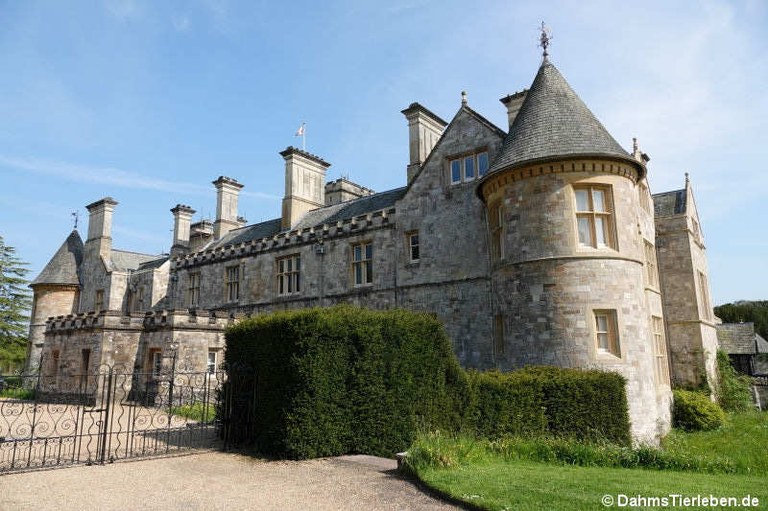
{"points": [[111, 415]]}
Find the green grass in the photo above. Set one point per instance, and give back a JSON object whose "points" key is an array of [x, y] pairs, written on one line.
{"points": [[530, 485], [196, 412], [18, 393], [549, 473], [743, 440]]}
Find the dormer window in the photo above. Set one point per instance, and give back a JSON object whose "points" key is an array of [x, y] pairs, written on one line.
{"points": [[468, 167]]}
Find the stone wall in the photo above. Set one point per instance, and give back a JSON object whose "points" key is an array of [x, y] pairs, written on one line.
{"points": [[691, 331]]}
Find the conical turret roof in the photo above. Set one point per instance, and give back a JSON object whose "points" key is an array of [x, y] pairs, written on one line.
{"points": [[554, 123], [64, 265]]}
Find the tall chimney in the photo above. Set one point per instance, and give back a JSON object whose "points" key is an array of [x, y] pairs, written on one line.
{"points": [[100, 227], [304, 184], [513, 102], [227, 193], [424, 130], [182, 215]]}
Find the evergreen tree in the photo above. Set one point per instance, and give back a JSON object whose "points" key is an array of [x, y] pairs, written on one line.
{"points": [[15, 302]]}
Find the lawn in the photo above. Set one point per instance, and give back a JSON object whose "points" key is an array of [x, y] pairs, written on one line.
{"points": [[508, 477], [743, 439], [528, 485]]}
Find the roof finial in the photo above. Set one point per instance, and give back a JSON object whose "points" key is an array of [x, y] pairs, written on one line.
{"points": [[544, 39], [75, 216], [687, 180], [463, 98], [634, 144]]}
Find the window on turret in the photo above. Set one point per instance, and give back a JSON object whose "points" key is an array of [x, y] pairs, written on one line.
{"points": [[660, 351], [498, 335], [704, 304], [594, 216], [496, 227], [99, 301], [289, 275], [468, 167], [606, 332], [651, 274]]}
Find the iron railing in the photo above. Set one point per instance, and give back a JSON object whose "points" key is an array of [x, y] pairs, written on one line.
{"points": [[110, 415]]}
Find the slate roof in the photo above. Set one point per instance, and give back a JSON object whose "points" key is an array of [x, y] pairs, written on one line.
{"points": [[351, 209], [740, 339], [122, 260], [63, 268], [324, 215], [669, 203], [248, 233], [553, 122]]}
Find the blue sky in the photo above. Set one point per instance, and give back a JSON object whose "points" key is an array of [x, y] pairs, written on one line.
{"points": [[148, 102]]}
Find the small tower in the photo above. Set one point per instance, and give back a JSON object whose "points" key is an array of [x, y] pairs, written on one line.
{"points": [[56, 292], [568, 275], [685, 288]]}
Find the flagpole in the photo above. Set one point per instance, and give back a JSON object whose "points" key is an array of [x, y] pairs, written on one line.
{"points": [[303, 137]]}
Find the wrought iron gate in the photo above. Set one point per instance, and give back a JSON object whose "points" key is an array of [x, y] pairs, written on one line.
{"points": [[48, 422]]}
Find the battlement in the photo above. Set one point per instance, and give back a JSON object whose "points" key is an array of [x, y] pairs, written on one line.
{"points": [[153, 320], [374, 220]]}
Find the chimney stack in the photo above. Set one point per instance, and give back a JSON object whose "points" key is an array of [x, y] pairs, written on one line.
{"points": [[513, 102], [304, 184], [182, 215], [227, 193], [424, 130], [100, 227]]}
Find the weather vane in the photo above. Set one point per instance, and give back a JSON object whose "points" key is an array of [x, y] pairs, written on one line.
{"points": [[545, 38], [75, 217]]}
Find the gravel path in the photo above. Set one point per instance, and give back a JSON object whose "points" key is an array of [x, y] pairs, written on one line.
{"points": [[219, 481]]}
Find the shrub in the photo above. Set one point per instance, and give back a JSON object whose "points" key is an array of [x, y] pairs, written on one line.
{"points": [[342, 380], [733, 392], [694, 411], [585, 404], [505, 404]]}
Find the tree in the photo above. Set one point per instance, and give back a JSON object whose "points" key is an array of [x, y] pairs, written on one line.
{"points": [[754, 311], [15, 302]]}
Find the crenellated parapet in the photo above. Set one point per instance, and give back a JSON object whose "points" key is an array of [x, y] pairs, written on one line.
{"points": [[296, 237], [154, 320]]}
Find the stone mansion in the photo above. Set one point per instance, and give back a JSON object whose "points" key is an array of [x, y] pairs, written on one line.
{"points": [[536, 244]]}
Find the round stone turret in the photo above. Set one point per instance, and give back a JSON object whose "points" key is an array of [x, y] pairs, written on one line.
{"points": [[568, 264]]}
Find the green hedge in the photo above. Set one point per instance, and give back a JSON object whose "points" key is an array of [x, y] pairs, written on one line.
{"points": [[324, 382], [584, 404], [694, 411], [343, 380]]}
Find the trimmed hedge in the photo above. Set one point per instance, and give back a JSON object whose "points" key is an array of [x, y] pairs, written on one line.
{"points": [[325, 382], [344, 380], [694, 411], [585, 404]]}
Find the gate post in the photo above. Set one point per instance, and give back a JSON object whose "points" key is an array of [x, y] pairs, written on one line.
{"points": [[105, 425]]}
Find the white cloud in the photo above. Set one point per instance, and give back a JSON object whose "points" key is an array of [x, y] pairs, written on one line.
{"points": [[98, 175]]}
